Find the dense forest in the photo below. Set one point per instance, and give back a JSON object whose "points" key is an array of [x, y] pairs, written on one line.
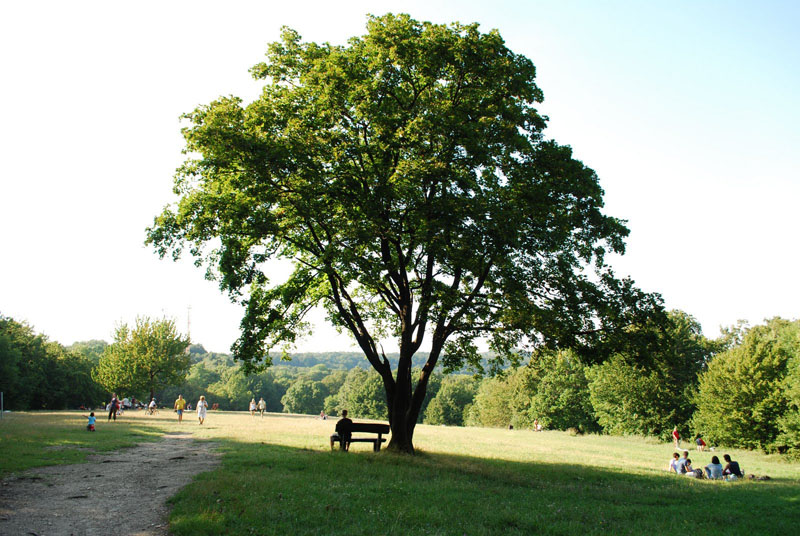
{"points": [[740, 390]]}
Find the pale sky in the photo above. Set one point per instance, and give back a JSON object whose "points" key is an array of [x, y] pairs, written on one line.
{"points": [[688, 112]]}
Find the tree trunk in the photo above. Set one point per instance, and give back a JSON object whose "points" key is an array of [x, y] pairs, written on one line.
{"points": [[401, 417], [405, 405], [402, 434]]}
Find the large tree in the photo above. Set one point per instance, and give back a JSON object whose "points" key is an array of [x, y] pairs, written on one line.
{"points": [[149, 356], [742, 398], [406, 177]]}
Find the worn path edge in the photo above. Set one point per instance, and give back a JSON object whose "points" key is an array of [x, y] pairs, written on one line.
{"points": [[122, 492]]}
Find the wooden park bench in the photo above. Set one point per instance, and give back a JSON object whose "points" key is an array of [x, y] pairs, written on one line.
{"points": [[367, 428]]}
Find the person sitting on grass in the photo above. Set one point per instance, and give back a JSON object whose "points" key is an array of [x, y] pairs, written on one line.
{"points": [[680, 465], [342, 433], [731, 467], [672, 467], [92, 420], [691, 471], [714, 469]]}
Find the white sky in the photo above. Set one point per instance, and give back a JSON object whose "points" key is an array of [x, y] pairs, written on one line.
{"points": [[687, 112]]}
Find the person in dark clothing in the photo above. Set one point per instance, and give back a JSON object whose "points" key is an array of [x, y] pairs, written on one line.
{"points": [[731, 467], [112, 410], [342, 431]]}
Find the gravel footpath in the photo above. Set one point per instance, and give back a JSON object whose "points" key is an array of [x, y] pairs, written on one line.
{"points": [[122, 493]]}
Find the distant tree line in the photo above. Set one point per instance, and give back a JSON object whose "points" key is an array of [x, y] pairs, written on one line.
{"points": [[36, 373], [740, 390]]}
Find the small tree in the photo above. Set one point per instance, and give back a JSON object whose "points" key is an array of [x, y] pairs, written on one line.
{"points": [[492, 404], [361, 394], [148, 357], [453, 400], [305, 396]]}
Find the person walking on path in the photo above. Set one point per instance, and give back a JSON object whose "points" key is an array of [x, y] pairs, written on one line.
{"points": [[677, 437], [252, 407], [112, 408], [202, 406], [180, 404], [262, 407]]}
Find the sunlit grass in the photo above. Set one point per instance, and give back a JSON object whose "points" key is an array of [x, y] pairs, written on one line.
{"points": [[42, 438], [279, 476]]}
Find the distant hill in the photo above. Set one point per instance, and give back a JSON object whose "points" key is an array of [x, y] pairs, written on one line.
{"points": [[332, 360]]}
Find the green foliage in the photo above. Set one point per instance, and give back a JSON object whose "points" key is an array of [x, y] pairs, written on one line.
{"points": [[789, 423], [361, 394], [648, 388], [92, 350], [452, 401], [407, 177], [38, 374], [147, 357], [491, 406], [743, 398], [235, 388], [628, 399], [551, 388], [561, 397], [305, 396]]}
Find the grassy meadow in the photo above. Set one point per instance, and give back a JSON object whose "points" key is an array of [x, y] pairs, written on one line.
{"points": [[279, 476]]}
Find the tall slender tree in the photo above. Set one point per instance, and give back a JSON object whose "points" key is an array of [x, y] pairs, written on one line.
{"points": [[407, 178]]}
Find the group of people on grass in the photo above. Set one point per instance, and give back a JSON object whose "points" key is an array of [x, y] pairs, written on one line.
{"points": [[682, 465], [698, 440], [180, 406]]}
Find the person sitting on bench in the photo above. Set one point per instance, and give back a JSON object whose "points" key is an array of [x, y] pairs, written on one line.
{"points": [[342, 431]]}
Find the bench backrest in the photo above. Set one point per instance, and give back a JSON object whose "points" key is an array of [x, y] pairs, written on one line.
{"points": [[371, 427]]}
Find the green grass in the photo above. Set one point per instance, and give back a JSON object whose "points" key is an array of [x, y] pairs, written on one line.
{"points": [[35, 439], [278, 476]]}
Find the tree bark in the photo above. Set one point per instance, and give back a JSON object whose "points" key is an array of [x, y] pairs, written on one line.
{"points": [[405, 405]]}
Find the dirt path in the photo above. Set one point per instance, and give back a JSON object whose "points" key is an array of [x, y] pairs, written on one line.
{"points": [[122, 493]]}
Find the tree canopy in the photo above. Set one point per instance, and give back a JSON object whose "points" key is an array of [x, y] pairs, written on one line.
{"points": [[745, 397], [407, 178], [147, 357], [36, 373]]}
